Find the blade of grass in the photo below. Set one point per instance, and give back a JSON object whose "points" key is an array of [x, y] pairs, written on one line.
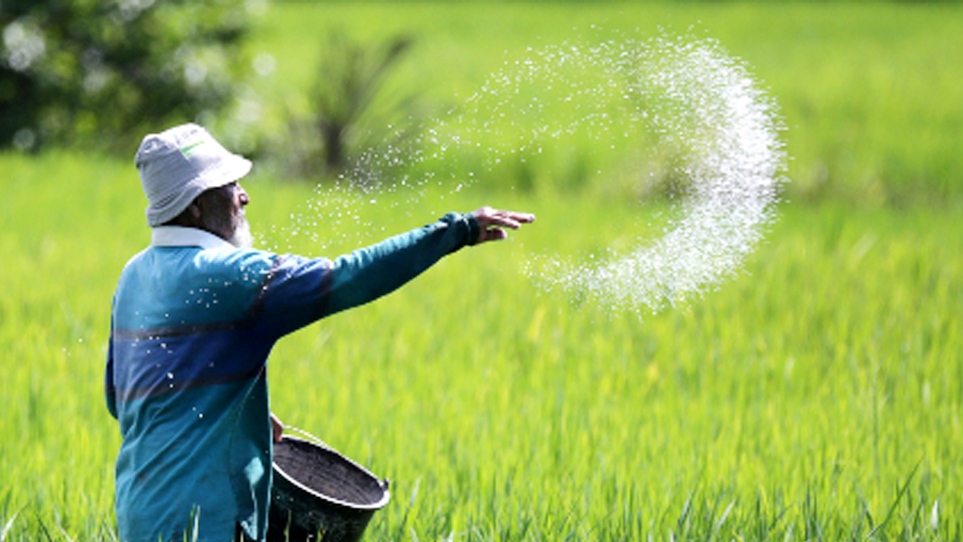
{"points": [[892, 508]]}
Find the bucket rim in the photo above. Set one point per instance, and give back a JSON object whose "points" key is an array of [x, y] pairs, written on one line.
{"points": [[385, 497]]}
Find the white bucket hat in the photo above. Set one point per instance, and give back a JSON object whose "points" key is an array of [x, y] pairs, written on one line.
{"points": [[176, 165]]}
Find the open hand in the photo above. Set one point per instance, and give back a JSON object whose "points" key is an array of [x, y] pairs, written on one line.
{"points": [[492, 221]]}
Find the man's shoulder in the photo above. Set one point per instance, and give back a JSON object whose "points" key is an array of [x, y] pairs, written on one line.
{"points": [[234, 257], [178, 280], [241, 264], [230, 264]]}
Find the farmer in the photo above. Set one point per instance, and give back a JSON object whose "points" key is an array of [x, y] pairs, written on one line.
{"points": [[194, 318]]}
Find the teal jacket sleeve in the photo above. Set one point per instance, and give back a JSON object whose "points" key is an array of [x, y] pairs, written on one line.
{"points": [[300, 291]]}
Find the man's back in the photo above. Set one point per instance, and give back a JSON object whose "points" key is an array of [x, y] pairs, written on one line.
{"points": [[186, 382]]}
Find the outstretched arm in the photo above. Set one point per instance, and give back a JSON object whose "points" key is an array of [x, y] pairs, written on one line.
{"points": [[301, 290]]}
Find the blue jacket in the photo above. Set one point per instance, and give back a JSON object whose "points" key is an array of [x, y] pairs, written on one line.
{"points": [[193, 322]]}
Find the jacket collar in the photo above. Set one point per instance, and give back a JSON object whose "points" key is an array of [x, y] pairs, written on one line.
{"points": [[179, 236]]}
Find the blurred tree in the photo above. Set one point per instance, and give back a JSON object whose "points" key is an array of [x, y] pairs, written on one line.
{"points": [[93, 72], [350, 115]]}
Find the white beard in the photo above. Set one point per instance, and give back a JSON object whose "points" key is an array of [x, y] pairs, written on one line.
{"points": [[242, 238]]}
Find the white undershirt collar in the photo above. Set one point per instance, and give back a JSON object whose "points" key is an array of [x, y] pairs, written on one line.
{"points": [[180, 236]]}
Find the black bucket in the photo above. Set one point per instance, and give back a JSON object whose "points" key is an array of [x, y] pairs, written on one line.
{"points": [[320, 495]]}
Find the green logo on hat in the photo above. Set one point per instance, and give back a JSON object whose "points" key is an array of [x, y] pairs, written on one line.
{"points": [[188, 150]]}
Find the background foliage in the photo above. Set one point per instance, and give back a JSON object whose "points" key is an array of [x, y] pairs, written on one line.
{"points": [[90, 73], [868, 92]]}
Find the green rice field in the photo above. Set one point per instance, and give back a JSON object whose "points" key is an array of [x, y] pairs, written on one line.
{"points": [[817, 395]]}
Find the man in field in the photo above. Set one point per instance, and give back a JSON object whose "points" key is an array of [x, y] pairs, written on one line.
{"points": [[194, 318]]}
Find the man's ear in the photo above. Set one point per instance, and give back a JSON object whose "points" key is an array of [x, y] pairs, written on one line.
{"points": [[195, 209]]}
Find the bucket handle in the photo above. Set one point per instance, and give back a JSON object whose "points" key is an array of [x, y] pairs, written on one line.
{"points": [[310, 437]]}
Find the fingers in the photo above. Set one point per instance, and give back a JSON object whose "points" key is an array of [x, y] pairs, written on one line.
{"points": [[512, 219], [491, 221], [487, 216], [492, 234]]}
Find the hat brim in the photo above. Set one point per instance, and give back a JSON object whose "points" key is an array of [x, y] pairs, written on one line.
{"points": [[227, 171]]}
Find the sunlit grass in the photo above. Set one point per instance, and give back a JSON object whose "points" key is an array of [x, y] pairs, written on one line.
{"points": [[816, 394]]}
